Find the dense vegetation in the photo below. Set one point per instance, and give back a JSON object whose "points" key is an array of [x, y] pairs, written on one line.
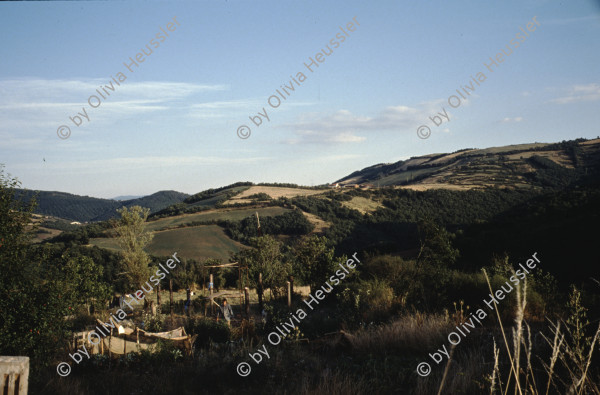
{"points": [[419, 278], [293, 223], [86, 209]]}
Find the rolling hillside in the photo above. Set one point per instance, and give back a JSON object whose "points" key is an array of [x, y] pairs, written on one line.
{"points": [[536, 165], [198, 242], [192, 235], [88, 209], [465, 192]]}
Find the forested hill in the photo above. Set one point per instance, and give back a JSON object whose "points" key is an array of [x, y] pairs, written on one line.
{"points": [[541, 165], [85, 208]]}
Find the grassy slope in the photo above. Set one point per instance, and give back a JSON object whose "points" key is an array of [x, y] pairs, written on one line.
{"points": [[198, 242], [273, 192], [213, 215], [495, 166]]}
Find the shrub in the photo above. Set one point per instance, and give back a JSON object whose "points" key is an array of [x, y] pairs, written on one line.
{"points": [[367, 301], [208, 331]]}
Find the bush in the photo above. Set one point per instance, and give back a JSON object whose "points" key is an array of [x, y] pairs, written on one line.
{"points": [[208, 331], [367, 301]]}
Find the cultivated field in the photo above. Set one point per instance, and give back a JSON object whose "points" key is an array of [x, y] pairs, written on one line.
{"points": [[213, 215], [198, 242], [362, 204], [274, 192], [319, 224]]}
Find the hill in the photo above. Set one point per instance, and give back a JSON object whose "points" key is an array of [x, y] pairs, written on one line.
{"points": [[126, 197], [481, 197], [198, 242], [537, 165], [88, 209]]}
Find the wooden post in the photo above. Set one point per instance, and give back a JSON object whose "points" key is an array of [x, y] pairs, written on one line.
{"points": [[291, 285], [210, 292], [153, 308], [259, 292], [191, 308], [247, 295], [188, 293], [171, 297], [289, 294], [14, 375], [158, 297]]}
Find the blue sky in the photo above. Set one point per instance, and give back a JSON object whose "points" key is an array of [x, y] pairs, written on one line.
{"points": [[172, 121]]}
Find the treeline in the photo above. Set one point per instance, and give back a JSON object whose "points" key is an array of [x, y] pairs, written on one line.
{"points": [[561, 225], [212, 192], [392, 228], [89, 209], [83, 234], [292, 223], [214, 198]]}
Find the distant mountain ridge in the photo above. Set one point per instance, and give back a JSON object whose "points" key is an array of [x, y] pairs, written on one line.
{"points": [[127, 197], [88, 209]]}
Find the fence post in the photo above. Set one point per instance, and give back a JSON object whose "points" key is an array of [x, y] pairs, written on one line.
{"points": [[171, 297], [158, 297], [247, 295], [17, 370], [210, 292], [259, 291]]}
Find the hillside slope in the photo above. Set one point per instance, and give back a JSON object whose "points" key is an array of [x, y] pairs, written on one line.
{"points": [[536, 165], [86, 209]]}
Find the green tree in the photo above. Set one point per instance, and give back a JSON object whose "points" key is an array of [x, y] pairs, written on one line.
{"points": [[314, 261], [83, 282], [189, 272], [265, 257], [133, 237], [32, 304], [436, 244]]}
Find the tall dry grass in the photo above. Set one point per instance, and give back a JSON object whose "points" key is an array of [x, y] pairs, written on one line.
{"points": [[571, 352]]}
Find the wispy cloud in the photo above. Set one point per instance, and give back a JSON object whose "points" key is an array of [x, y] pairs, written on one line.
{"points": [[579, 93], [511, 120], [36, 107], [343, 126], [145, 162], [41, 92]]}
